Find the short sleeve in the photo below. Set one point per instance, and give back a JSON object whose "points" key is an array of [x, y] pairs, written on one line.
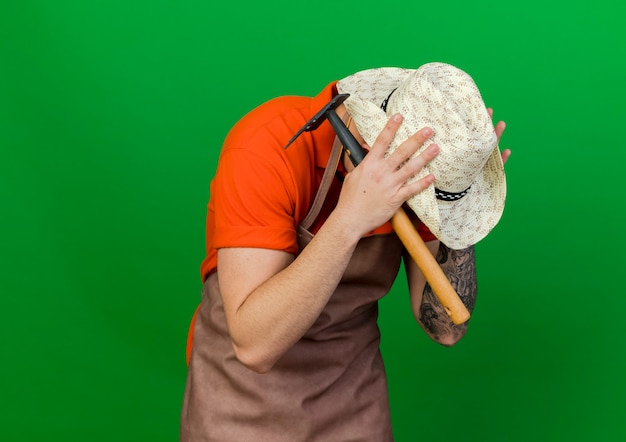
{"points": [[254, 196]]}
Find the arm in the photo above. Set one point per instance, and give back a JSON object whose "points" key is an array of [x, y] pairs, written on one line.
{"points": [[460, 268], [277, 299], [271, 304]]}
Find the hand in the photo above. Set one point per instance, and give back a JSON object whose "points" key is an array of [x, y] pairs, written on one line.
{"points": [[376, 189], [499, 128]]}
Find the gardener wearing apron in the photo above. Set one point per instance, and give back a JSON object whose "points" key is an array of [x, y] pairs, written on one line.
{"points": [[284, 345]]}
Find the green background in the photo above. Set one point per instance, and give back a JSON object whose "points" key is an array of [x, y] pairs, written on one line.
{"points": [[112, 114]]}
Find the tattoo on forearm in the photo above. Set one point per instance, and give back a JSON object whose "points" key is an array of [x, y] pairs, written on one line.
{"points": [[460, 267]]}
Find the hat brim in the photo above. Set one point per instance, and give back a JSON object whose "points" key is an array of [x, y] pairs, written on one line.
{"points": [[462, 223]]}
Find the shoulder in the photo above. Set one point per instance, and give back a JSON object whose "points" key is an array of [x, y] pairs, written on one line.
{"points": [[255, 146], [270, 125], [254, 151]]}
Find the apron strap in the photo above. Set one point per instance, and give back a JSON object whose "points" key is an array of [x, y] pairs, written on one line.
{"points": [[327, 179]]}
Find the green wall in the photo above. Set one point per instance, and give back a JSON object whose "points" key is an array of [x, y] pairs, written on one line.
{"points": [[112, 114]]}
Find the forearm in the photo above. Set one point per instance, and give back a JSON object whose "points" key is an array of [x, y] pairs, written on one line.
{"points": [[460, 268], [277, 313]]}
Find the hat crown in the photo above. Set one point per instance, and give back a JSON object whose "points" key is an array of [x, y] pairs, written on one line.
{"points": [[446, 99]]}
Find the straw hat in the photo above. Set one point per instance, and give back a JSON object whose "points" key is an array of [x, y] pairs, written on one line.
{"points": [[467, 198]]}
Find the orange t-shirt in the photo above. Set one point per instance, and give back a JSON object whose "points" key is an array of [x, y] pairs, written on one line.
{"points": [[262, 191]]}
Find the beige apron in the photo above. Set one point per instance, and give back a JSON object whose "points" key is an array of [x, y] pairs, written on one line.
{"points": [[330, 386]]}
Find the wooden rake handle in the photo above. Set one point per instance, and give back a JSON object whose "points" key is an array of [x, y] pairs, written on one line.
{"points": [[430, 268]]}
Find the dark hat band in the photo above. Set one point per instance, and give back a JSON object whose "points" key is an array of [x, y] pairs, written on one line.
{"points": [[383, 106], [450, 196]]}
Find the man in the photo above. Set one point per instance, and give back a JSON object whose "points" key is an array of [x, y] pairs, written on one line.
{"points": [[300, 248]]}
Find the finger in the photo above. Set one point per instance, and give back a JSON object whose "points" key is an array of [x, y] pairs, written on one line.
{"points": [[500, 129], [409, 190], [413, 167], [411, 145], [506, 153], [490, 112], [385, 137]]}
